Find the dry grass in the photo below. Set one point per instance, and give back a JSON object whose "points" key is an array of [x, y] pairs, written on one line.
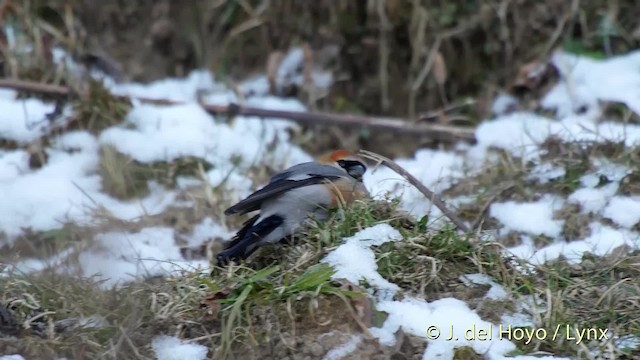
{"points": [[238, 311]]}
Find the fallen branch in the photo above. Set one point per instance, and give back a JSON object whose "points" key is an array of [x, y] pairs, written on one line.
{"points": [[436, 131], [420, 186]]}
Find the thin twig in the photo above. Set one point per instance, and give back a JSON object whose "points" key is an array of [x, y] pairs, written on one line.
{"points": [[436, 131], [420, 186]]}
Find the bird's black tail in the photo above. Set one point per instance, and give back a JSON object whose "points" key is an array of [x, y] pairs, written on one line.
{"points": [[246, 241]]}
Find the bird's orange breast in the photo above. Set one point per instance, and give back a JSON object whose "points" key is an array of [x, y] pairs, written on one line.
{"points": [[345, 192]]}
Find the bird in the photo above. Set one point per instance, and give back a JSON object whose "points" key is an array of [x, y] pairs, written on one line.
{"points": [[303, 191]]}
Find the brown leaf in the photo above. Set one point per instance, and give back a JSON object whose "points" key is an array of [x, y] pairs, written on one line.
{"points": [[531, 76], [439, 69], [273, 63], [443, 118], [307, 66], [37, 156], [211, 306]]}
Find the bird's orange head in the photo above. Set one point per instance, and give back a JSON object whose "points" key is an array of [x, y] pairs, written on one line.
{"points": [[352, 163]]}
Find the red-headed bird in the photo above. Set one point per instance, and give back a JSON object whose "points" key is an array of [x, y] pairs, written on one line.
{"points": [[307, 190]]}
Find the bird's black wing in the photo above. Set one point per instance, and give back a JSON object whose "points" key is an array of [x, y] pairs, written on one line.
{"points": [[274, 188]]}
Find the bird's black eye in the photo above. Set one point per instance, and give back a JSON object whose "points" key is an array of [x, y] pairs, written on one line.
{"points": [[353, 167]]}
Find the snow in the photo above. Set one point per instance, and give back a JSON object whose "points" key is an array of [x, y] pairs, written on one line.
{"points": [[23, 120], [624, 211], [165, 133], [183, 89], [436, 169], [503, 103], [592, 200], [355, 261], [13, 164], [520, 133], [602, 241], [203, 231], [539, 216], [67, 188], [546, 172], [496, 291], [12, 357], [588, 80], [172, 348], [121, 256], [345, 349], [447, 324]]}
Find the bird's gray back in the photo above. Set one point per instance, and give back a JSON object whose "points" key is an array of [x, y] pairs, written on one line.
{"points": [[300, 171]]}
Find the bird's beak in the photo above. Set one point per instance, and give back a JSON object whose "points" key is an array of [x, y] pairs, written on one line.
{"points": [[357, 171]]}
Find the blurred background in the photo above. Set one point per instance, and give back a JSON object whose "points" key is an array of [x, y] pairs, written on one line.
{"points": [[431, 61]]}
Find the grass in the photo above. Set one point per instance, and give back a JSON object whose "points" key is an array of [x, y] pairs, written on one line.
{"points": [[56, 315], [237, 311]]}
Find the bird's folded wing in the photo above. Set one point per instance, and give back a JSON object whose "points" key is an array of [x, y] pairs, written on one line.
{"points": [[274, 188]]}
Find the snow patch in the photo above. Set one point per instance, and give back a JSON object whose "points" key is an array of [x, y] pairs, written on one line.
{"points": [[172, 348], [355, 261], [535, 218]]}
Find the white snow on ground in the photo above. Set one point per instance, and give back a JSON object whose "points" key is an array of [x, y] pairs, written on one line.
{"points": [[538, 219], [120, 257], [447, 323], [624, 211], [172, 348], [436, 169], [165, 133], [183, 89], [496, 292], [68, 188], [589, 80], [355, 261], [602, 241], [205, 230], [11, 357], [343, 350], [23, 120], [546, 172]]}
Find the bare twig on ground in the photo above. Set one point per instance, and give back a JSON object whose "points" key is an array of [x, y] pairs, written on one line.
{"points": [[436, 131], [420, 186]]}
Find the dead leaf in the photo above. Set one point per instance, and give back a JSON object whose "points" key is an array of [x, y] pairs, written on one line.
{"points": [[443, 118], [439, 69], [531, 76], [37, 156], [211, 306], [273, 63], [307, 66]]}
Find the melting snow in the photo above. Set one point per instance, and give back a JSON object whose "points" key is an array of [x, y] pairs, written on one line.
{"points": [[120, 256], [496, 291], [538, 220], [345, 349], [355, 261], [624, 211], [172, 348]]}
